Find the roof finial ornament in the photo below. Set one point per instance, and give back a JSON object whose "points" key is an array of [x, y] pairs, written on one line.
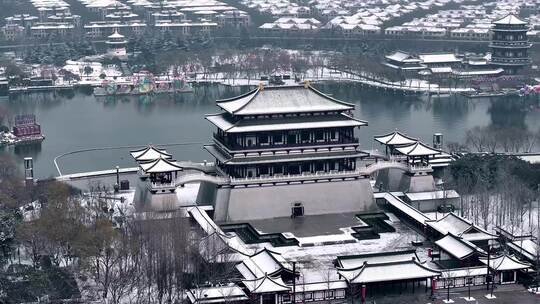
{"points": [[307, 84], [261, 86]]}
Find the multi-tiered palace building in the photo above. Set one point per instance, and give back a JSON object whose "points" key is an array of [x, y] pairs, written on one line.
{"points": [[287, 151], [510, 45]]}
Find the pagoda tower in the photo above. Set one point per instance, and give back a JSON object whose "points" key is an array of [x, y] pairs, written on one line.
{"points": [[509, 44], [287, 151], [116, 45]]}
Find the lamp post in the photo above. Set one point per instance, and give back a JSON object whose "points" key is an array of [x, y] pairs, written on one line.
{"points": [[448, 283], [294, 283], [117, 185], [469, 282], [488, 274]]}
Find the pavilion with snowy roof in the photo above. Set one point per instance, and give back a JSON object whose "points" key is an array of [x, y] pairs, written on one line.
{"points": [[417, 153], [149, 153], [510, 20], [265, 262], [393, 140], [162, 174], [385, 268], [526, 248], [506, 267], [217, 294], [460, 227], [404, 62], [457, 251], [116, 45], [510, 44], [267, 288]]}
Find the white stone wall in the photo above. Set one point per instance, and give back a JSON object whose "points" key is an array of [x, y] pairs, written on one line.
{"points": [[277, 201]]}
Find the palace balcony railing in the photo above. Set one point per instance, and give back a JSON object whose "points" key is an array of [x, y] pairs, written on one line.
{"points": [[417, 168], [402, 160], [236, 148], [334, 174], [510, 28], [158, 185], [511, 61], [510, 44]]}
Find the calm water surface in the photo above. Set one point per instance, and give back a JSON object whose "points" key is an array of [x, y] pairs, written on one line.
{"points": [[79, 121]]}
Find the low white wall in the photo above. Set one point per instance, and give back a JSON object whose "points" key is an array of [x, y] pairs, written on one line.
{"points": [[317, 198]]}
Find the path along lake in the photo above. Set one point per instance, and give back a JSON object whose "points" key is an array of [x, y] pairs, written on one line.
{"points": [[77, 120]]}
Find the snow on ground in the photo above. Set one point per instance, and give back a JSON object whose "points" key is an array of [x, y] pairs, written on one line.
{"points": [[345, 236], [325, 74], [187, 195], [313, 262], [78, 68]]}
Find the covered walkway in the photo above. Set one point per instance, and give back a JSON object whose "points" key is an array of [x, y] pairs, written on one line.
{"points": [[416, 217]]}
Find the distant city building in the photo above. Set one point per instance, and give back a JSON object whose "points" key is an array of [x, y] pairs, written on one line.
{"points": [[185, 28], [287, 25], [510, 44], [236, 19], [97, 29], [43, 30], [13, 31], [404, 62]]}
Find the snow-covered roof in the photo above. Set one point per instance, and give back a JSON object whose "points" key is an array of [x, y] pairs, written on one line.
{"points": [[510, 20], [355, 261], [431, 195], [266, 284], [214, 232], [441, 70], [417, 149], [116, 35], [458, 226], [395, 138], [455, 247], [387, 272], [479, 72], [217, 294], [400, 56], [526, 247], [150, 153], [438, 58], [505, 262], [407, 209], [264, 262], [289, 123], [283, 99], [160, 165]]}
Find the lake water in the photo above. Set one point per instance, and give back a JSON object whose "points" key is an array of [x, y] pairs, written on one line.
{"points": [[77, 121]]}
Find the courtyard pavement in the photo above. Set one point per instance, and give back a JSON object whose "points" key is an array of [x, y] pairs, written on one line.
{"points": [[513, 294]]}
